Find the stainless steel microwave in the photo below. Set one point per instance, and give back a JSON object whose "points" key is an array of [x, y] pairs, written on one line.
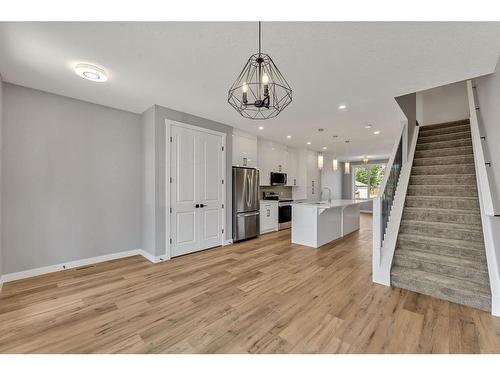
{"points": [[278, 179]]}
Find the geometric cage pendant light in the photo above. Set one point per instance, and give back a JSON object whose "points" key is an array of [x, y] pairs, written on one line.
{"points": [[260, 91]]}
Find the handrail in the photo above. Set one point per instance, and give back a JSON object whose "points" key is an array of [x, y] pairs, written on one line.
{"points": [[384, 239], [485, 204], [478, 153]]}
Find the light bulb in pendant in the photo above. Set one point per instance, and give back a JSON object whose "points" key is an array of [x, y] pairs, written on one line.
{"points": [[244, 88], [347, 167], [265, 79], [335, 164], [320, 161]]}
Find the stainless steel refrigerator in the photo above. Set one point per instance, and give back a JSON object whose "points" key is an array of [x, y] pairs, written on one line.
{"points": [[246, 203]]}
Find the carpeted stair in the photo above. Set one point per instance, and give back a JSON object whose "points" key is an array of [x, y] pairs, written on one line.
{"points": [[440, 249]]}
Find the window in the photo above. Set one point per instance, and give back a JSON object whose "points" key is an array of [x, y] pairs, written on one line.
{"points": [[367, 180]]}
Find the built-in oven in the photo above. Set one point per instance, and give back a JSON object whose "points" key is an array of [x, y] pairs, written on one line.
{"points": [[278, 179], [284, 214]]}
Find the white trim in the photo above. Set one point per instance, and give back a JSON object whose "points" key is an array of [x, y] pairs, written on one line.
{"points": [[228, 242], [168, 126], [485, 204], [383, 255], [77, 263]]}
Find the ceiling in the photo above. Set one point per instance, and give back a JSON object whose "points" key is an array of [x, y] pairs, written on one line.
{"points": [[190, 66]]}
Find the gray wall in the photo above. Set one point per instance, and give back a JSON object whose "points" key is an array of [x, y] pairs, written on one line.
{"points": [[348, 182], [72, 179], [154, 234], [408, 104], [1, 152], [488, 100], [149, 182]]}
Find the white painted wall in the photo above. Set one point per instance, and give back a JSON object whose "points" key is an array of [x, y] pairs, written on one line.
{"points": [[72, 180], [442, 104], [488, 101]]}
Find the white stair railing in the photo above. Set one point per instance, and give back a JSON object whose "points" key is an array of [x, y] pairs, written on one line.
{"points": [[485, 203], [386, 220]]}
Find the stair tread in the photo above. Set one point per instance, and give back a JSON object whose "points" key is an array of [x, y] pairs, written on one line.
{"points": [[474, 212], [447, 260], [447, 157], [459, 285], [442, 125], [466, 227], [423, 132], [461, 244], [424, 197], [440, 186], [462, 132]]}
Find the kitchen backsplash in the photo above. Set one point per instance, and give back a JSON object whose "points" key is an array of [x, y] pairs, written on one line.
{"points": [[285, 192]]}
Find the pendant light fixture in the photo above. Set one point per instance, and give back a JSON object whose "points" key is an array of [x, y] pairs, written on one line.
{"points": [[334, 161], [320, 161], [365, 160], [347, 165], [260, 91]]}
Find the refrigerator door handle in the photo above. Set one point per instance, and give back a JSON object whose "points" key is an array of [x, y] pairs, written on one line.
{"points": [[249, 214]]}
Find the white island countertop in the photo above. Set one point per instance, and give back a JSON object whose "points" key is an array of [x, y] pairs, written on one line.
{"points": [[317, 223], [326, 204]]}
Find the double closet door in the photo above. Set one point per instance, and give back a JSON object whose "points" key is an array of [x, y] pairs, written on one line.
{"points": [[196, 190]]}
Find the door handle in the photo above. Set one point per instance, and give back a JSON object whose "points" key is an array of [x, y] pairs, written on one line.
{"points": [[268, 212], [246, 215], [197, 206], [202, 205]]}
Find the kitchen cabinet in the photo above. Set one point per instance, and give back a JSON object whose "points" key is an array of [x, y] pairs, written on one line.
{"points": [[244, 149], [308, 176], [292, 166], [272, 157], [268, 216]]}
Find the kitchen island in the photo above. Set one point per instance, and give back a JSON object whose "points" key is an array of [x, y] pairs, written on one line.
{"points": [[317, 223]]}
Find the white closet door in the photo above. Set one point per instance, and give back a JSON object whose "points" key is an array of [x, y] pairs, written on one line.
{"points": [[196, 190], [210, 172]]}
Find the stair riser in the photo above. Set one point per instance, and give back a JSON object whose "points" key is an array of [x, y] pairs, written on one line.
{"points": [[469, 180], [466, 273], [468, 159], [422, 138], [423, 132], [445, 125], [441, 217], [442, 169], [464, 298], [453, 204], [476, 252], [446, 144], [454, 151], [445, 233], [442, 191]]}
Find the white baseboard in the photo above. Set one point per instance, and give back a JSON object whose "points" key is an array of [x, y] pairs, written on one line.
{"points": [[79, 263], [152, 258], [228, 242]]}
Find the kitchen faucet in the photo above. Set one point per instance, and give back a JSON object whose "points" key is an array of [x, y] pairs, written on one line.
{"points": [[329, 194]]}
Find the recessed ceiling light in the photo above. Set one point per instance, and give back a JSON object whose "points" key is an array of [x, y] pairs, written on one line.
{"points": [[368, 126], [261, 128], [376, 132], [91, 72], [324, 147], [289, 136], [342, 106], [308, 143]]}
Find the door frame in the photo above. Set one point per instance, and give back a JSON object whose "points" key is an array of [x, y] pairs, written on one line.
{"points": [[168, 166]]}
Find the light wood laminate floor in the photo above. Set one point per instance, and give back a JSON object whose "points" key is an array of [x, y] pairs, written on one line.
{"points": [[260, 296]]}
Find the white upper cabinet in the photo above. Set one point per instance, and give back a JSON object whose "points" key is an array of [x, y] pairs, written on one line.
{"points": [[292, 166], [272, 157], [244, 149]]}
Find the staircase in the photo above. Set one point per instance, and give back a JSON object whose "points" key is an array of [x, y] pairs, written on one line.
{"points": [[440, 250]]}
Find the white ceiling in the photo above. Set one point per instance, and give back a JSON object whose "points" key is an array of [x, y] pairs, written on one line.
{"points": [[190, 66]]}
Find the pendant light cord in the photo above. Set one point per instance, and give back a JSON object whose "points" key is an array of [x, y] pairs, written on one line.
{"points": [[259, 38]]}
